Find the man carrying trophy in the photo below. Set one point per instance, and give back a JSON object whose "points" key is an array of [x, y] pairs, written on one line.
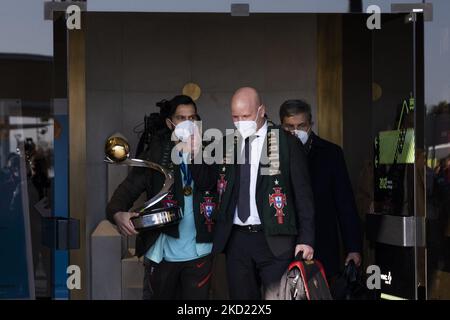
{"points": [[177, 256]]}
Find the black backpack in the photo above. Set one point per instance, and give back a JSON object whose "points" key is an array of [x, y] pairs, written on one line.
{"points": [[351, 285], [303, 280]]}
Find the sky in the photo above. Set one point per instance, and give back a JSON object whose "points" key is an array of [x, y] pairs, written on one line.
{"points": [[23, 28]]}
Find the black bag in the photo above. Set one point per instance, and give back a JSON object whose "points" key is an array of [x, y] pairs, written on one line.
{"points": [[351, 285]]}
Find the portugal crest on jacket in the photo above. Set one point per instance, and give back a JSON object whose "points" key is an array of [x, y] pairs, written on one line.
{"points": [[206, 209], [278, 201]]}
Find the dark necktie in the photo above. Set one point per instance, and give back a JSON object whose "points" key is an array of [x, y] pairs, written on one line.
{"points": [[244, 187]]}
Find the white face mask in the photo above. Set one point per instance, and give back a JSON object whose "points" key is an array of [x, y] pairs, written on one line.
{"points": [[302, 135], [184, 130], [247, 127]]}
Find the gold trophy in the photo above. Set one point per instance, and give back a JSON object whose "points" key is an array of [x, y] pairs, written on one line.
{"points": [[117, 152]]}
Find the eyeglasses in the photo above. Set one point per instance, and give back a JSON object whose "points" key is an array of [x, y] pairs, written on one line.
{"points": [[290, 127]]}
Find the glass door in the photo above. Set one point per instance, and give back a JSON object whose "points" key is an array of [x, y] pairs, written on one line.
{"points": [[33, 151], [396, 225]]}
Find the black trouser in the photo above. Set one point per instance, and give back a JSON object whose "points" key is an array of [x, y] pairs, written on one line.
{"points": [[250, 264], [187, 280]]}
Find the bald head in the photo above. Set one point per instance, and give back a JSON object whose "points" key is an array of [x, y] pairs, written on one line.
{"points": [[246, 96], [245, 104]]}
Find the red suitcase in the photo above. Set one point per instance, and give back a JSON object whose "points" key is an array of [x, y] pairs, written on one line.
{"points": [[303, 280]]}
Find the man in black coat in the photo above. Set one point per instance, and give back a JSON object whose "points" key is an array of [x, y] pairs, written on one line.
{"points": [[333, 196], [177, 257], [266, 212]]}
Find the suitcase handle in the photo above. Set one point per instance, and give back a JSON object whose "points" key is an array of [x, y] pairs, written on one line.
{"points": [[351, 272], [299, 256]]}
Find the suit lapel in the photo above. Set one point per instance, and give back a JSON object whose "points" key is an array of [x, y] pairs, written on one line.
{"points": [[232, 189], [178, 186], [260, 177], [315, 143]]}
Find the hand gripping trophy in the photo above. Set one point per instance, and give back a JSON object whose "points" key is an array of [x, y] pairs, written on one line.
{"points": [[117, 152]]}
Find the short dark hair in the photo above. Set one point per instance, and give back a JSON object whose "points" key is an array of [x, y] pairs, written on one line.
{"points": [[292, 107], [169, 107]]}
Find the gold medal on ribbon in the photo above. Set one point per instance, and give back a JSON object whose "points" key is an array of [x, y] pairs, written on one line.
{"points": [[187, 190]]}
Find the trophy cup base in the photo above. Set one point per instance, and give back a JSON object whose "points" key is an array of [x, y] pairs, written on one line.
{"points": [[157, 218]]}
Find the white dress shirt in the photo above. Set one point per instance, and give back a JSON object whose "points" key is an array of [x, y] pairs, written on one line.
{"points": [[256, 147]]}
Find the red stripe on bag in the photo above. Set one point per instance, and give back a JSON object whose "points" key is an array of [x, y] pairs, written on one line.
{"points": [[322, 271], [204, 281]]}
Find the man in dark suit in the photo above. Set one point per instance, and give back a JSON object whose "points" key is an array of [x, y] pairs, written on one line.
{"points": [[333, 196], [266, 212]]}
